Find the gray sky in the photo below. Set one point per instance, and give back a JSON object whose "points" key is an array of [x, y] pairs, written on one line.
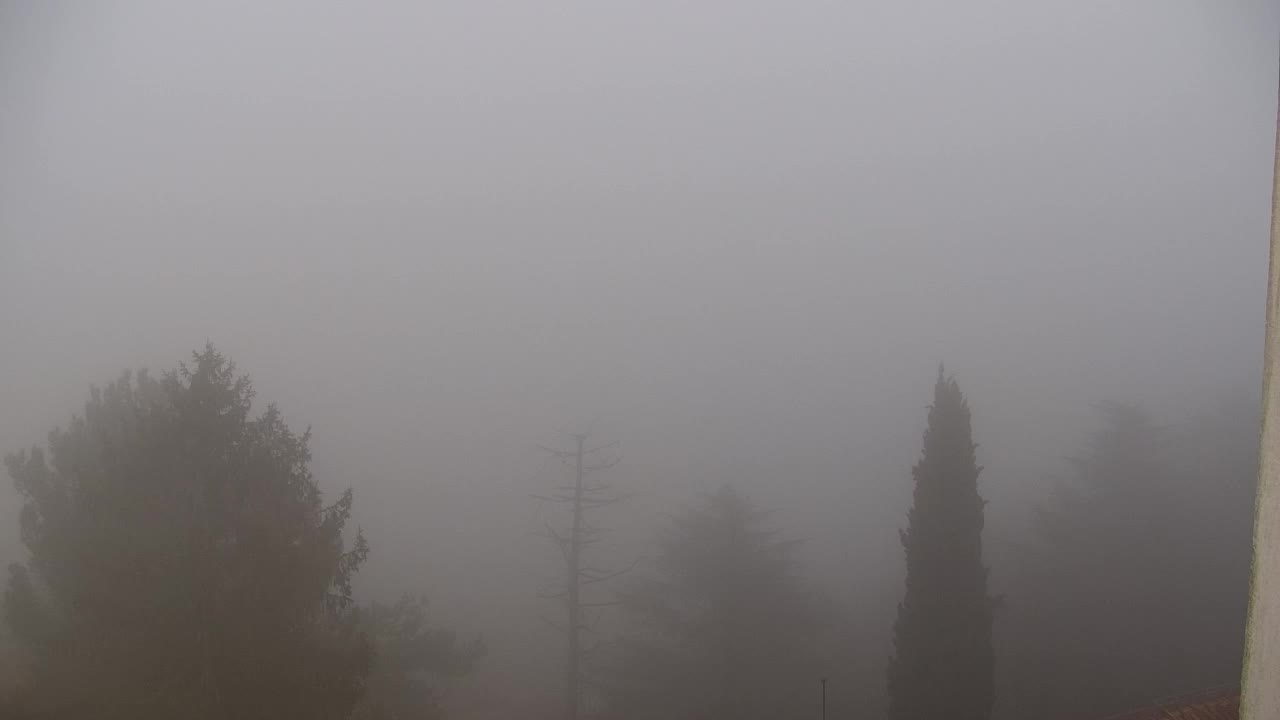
{"points": [[737, 236]]}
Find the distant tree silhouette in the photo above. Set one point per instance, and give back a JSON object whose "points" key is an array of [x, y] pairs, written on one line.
{"points": [[943, 665], [407, 656], [182, 563], [580, 498], [1135, 585], [723, 630]]}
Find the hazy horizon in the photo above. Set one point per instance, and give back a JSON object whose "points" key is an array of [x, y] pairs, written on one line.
{"points": [[737, 238]]}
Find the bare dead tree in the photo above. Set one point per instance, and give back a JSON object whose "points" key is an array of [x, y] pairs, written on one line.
{"points": [[581, 497]]}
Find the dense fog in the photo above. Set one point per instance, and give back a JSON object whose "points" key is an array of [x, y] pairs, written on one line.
{"points": [[735, 239]]}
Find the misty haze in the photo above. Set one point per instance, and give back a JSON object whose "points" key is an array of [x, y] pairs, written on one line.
{"points": [[696, 361]]}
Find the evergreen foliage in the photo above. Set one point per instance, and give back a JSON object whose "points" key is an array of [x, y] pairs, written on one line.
{"points": [[182, 562], [943, 665]]}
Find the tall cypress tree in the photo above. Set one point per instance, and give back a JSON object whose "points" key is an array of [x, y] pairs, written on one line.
{"points": [[944, 665]]}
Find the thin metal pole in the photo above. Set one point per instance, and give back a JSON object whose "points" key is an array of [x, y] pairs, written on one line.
{"points": [[574, 587], [824, 699]]}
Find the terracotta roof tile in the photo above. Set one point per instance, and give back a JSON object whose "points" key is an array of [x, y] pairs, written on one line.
{"points": [[1221, 704]]}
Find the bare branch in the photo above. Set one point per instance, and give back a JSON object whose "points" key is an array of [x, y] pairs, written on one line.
{"points": [[558, 453], [553, 625], [553, 498], [602, 465], [560, 541], [598, 448], [596, 577]]}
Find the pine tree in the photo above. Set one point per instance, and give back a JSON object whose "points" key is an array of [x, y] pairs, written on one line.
{"points": [[944, 665], [725, 629], [1135, 583], [182, 561]]}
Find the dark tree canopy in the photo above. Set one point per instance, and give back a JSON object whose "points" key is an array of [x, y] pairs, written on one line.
{"points": [[724, 630], [182, 562], [943, 666]]}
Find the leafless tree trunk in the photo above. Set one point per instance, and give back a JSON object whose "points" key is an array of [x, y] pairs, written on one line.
{"points": [[580, 497]]}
